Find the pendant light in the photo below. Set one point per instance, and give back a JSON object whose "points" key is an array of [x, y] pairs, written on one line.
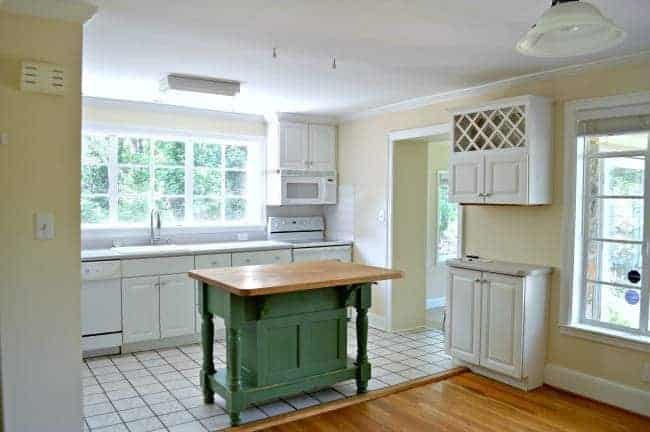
{"points": [[570, 28]]}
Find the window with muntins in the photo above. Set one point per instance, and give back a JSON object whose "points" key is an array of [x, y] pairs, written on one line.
{"points": [[613, 197], [191, 181]]}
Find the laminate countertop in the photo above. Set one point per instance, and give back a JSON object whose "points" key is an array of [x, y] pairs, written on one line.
{"points": [[500, 267], [283, 278]]}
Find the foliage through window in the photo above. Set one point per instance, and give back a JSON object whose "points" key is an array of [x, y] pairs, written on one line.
{"points": [[192, 182], [614, 293], [447, 217]]}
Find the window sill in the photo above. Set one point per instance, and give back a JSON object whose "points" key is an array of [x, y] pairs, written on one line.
{"points": [[606, 336]]}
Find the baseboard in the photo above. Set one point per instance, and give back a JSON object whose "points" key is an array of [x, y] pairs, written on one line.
{"points": [[592, 387], [436, 302], [376, 321]]}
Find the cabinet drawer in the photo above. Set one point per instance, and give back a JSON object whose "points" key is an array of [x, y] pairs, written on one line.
{"points": [[211, 261], [282, 256], [157, 266], [341, 253]]}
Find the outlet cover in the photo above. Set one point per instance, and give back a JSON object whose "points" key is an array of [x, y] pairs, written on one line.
{"points": [[43, 226], [645, 375], [242, 236]]}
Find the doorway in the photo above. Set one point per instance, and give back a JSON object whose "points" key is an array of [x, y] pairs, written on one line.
{"points": [[424, 228]]}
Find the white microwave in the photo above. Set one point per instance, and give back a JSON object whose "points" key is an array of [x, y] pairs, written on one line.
{"points": [[307, 187]]}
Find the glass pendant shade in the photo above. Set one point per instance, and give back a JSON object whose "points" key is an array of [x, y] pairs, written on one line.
{"points": [[570, 29]]}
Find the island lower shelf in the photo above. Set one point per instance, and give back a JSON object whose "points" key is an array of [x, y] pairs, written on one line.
{"points": [[250, 393]]}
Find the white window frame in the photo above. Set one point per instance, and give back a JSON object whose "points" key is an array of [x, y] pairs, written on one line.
{"points": [[571, 292], [256, 223], [439, 174]]}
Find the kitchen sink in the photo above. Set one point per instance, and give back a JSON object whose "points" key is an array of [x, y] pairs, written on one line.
{"points": [[151, 249]]}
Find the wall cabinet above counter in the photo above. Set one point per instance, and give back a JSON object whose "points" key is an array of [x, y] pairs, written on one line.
{"points": [[502, 153]]}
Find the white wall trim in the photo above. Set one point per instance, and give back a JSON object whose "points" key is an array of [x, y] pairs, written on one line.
{"points": [[423, 101], [166, 108], [436, 302], [609, 392], [78, 11], [393, 138]]}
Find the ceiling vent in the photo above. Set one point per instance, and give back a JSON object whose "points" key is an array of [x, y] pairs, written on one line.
{"points": [[42, 78], [197, 84]]}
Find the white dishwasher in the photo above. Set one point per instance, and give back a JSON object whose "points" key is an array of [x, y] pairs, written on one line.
{"points": [[101, 307]]}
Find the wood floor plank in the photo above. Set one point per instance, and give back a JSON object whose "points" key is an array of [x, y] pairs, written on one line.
{"points": [[468, 402]]}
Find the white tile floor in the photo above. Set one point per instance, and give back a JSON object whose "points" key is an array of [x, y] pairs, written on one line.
{"points": [[160, 391]]}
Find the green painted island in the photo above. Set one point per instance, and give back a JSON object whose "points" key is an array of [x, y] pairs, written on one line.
{"points": [[286, 328]]}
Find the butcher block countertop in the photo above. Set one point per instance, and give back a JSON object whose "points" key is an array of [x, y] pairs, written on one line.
{"points": [[284, 278]]}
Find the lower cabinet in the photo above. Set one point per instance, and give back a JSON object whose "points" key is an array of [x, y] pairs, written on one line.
{"points": [[498, 322], [176, 305], [282, 256], [140, 309]]}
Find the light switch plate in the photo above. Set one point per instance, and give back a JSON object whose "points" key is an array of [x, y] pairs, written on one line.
{"points": [[645, 374], [44, 226]]}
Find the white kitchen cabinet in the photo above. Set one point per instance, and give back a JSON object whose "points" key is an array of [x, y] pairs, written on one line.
{"points": [[294, 145], [340, 253], [177, 307], [281, 256], [496, 320], [464, 310], [140, 309], [502, 153], [322, 147]]}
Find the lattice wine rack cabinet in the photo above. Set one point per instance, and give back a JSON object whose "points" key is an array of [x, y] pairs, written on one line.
{"points": [[502, 153]]}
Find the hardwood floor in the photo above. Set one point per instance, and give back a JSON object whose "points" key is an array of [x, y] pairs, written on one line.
{"points": [[468, 402]]}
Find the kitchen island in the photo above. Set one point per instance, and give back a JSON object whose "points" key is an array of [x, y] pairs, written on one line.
{"points": [[286, 328]]}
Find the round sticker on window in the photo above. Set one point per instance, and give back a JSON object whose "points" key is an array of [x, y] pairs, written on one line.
{"points": [[631, 297]]}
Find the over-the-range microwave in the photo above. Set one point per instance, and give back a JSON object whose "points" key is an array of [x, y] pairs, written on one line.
{"points": [[302, 187]]}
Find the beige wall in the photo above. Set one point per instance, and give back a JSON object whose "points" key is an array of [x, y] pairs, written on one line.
{"points": [[410, 231], [40, 295], [510, 233]]}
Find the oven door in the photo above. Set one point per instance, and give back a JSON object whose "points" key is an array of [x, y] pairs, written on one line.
{"points": [[302, 190]]}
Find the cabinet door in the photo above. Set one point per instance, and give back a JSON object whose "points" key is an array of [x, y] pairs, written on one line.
{"points": [[506, 177], [176, 305], [294, 145], [322, 147], [282, 256], [466, 178], [502, 324], [464, 310], [140, 309]]}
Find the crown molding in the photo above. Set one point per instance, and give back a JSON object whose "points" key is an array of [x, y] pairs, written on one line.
{"points": [[423, 101], [78, 11], [91, 101]]}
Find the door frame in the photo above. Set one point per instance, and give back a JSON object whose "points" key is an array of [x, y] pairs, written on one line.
{"points": [[393, 139]]}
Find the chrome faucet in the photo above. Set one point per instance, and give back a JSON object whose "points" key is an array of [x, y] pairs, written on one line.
{"points": [[154, 227]]}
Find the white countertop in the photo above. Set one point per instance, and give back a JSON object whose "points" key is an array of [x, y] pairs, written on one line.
{"points": [[500, 267], [203, 248]]}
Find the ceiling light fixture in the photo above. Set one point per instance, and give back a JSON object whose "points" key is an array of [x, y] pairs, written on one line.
{"points": [[570, 28], [198, 84]]}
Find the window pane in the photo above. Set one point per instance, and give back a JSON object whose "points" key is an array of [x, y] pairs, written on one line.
{"points": [[612, 262], [206, 210], [617, 176], [94, 149], [235, 183], [169, 153], [133, 209], [617, 143], [172, 210], [133, 151], [94, 179], [235, 209], [208, 182], [613, 305], [207, 155], [617, 219], [133, 180], [236, 156], [447, 220], [94, 210], [170, 181]]}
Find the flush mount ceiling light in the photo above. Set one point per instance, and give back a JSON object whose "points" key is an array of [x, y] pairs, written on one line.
{"points": [[570, 28], [197, 84]]}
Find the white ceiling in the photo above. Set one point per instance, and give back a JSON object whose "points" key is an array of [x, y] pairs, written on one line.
{"points": [[387, 51]]}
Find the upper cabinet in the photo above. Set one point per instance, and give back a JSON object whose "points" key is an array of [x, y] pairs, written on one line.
{"points": [[299, 142], [502, 153]]}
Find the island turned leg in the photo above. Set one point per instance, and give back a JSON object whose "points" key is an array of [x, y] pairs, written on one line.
{"points": [[234, 370], [207, 341], [363, 366]]}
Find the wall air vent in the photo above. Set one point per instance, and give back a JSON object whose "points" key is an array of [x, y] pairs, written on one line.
{"points": [[198, 84], [42, 78]]}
